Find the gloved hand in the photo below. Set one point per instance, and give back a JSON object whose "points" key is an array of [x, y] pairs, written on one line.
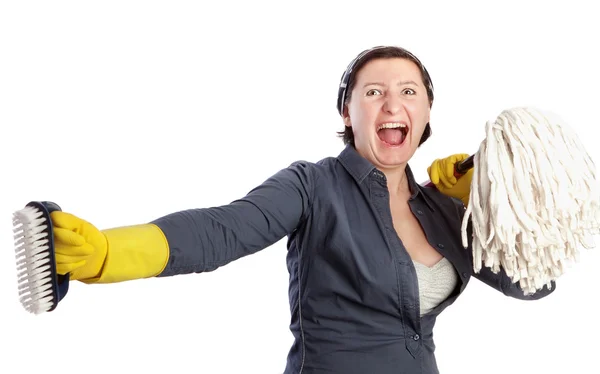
{"points": [[80, 247], [441, 174], [108, 256]]}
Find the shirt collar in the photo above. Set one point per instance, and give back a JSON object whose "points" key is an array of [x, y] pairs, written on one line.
{"points": [[359, 167]]}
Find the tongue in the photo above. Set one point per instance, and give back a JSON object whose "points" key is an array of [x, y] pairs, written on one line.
{"points": [[391, 136]]}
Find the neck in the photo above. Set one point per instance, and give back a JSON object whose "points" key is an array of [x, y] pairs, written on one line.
{"points": [[397, 182]]}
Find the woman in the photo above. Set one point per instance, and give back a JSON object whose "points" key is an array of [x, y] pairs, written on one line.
{"points": [[373, 256]]}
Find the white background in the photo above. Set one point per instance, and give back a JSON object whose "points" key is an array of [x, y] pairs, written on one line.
{"points": [[124, 111]]}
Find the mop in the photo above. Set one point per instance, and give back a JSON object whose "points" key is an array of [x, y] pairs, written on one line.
{"points": [[534, 198]]}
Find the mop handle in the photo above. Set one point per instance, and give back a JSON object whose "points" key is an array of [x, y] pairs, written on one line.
{"points": [[462, 167]]}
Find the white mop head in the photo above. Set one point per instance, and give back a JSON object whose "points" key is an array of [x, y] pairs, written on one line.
{"points": [[534, 198]]}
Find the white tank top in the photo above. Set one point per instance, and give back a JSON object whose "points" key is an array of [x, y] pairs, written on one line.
{"points": [[436, 283]]}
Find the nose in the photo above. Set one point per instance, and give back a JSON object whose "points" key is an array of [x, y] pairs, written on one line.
{"points": [[393, 105]]}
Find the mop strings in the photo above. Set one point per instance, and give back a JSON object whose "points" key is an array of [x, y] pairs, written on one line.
{"points": [[534, 198]]}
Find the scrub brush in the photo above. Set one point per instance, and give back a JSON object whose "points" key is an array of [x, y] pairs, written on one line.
{"points": [[39, 286]]}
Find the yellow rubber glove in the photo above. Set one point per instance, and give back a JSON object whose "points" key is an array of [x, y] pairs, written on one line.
{"points": [[108, 256], [441, 174], [80, 248]]}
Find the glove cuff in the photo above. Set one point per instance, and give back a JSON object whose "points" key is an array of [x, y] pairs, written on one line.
{"points": [[134, 252]]}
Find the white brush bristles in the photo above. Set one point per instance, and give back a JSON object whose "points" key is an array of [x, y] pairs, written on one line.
{"points": [[534, 198], [32, 248]]}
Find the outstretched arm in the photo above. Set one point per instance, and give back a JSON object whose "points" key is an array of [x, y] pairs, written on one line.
{"points": [[204, 239], [194, 240]]}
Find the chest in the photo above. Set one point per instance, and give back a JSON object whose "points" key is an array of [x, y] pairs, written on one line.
{"points": [[359, 248], [411, 233]]}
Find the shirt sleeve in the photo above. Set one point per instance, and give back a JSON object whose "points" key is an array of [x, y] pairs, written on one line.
{"points": [[499, 281], [204, 239]]}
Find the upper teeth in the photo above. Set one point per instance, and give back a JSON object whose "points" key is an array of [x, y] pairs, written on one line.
{"points": [[391, 125]]}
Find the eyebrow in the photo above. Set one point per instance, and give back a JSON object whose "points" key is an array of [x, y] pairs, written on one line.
{"points": [[402, 83]]}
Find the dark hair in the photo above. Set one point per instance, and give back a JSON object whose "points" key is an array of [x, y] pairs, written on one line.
{"points": [[348, 81]]}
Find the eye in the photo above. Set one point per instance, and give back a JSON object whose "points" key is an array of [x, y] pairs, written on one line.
{"points": [[409, 91], [373, 92]]}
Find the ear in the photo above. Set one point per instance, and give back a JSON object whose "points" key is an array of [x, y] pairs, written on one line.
{"points": [[347, 121]]}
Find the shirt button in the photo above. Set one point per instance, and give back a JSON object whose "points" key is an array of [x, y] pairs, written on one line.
{"points": [[440, 245], [419, 212], [464, 275], [416, 337]]}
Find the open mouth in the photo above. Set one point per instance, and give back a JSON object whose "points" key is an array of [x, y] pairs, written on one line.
{"points": [[392, 133]]}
